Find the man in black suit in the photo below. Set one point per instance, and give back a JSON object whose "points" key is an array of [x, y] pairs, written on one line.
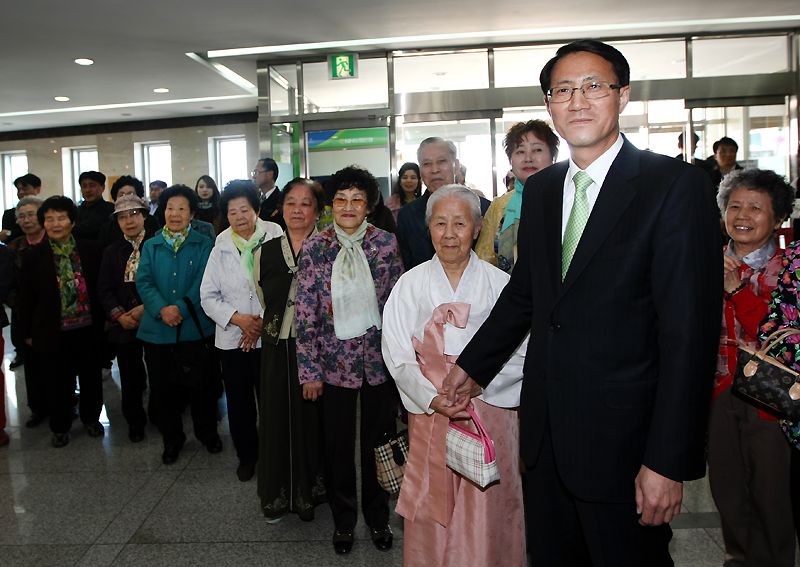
{"points": [[619, 282], [265, 174], [438, 166], [27, 185]]}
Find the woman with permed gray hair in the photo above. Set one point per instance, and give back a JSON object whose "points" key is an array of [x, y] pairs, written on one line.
{"points": [[344, 278], [748, 457]]}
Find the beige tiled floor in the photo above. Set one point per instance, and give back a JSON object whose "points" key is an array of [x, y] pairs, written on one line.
{"points": [[109, 502]]}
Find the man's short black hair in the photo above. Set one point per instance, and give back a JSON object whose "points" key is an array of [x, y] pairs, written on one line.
{"points": [[93, 176], [58, 203], [240, 188], [159, 183], [28, 179], [618, 62], [270, 164], [725, 141], [137, 185]]}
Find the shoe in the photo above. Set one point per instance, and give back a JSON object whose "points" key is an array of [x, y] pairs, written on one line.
{"points": [[136, 434], [214, 446], [4, 438], [275, 520], [170, 454], [35, 420], [75, 413], [95, 429], [245, 472], [382, 537], [342, 541], [16, 363], [60, 440]]}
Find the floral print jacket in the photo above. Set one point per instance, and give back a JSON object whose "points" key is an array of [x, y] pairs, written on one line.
{"points": [[783, 309], [320, 355]]}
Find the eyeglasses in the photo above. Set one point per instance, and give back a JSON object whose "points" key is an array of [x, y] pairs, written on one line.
{"points": [[595, 89], [257, 171], [128, 215], [24, 216], [357, 202]]}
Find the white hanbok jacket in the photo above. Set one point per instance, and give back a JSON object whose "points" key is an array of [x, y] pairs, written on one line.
{"points": [[409, 308], [225, 290]]}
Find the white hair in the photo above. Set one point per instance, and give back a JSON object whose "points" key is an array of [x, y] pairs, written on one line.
{"points": [[460, 192]]}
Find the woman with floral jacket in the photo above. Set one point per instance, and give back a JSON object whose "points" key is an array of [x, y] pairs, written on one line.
{"points": [[345, 276]]}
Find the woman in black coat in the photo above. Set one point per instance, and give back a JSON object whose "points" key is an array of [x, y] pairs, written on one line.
{"points": [[61, 318], [116, 288]]}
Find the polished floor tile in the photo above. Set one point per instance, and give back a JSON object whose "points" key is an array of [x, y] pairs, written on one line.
{"points": [[109, 502]]}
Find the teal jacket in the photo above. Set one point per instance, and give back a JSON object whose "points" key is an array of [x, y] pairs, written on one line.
{"points": [[165, 278]]}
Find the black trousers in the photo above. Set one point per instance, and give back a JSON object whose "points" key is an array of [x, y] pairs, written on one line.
{"points": [[170, 400], [339, 451], [77, 356], [564, 531], [241, 372], [35, 385], [133, 379]]}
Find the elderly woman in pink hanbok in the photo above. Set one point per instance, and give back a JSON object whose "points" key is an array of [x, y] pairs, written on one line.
{"points": [[431, 315]]}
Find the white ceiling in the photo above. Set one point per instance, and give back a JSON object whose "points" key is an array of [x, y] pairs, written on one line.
{"points": [[139, 46]]}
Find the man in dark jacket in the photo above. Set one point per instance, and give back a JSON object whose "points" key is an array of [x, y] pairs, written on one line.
{"points": [[94, 211]]}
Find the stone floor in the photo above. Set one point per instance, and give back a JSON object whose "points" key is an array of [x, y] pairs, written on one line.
{"points": [[109, 502]]}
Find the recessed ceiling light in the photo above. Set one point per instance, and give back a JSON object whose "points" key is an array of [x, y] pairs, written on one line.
{"points": [[440, 73], [126, 114], [84, 61], [62, 98], [207, 107], [161, 90]]}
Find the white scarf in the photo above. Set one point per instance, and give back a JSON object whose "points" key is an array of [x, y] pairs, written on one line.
{"points": [[353, 297]]}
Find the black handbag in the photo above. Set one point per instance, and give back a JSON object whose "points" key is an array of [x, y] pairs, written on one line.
{"points": [[763, 378], [190, 360]]}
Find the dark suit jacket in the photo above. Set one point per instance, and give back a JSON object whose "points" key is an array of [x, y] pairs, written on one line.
{"points": [[10, 223], [269, 206], [622, 354], [40, 299]]}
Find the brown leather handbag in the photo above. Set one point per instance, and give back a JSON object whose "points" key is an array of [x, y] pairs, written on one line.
{"points": [[763, 378]]}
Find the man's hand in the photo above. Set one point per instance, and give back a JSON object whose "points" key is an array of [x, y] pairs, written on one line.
{"points": [[459, 389], [658, 498], [171, 315], [312, 390]]}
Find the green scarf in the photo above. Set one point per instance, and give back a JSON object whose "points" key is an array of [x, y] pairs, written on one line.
{"points": [[246, 249], [74, 298], [353, 297], [175, 239]]}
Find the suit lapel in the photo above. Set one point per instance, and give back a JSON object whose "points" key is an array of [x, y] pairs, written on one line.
{"points": [[615, 195], [552, 200]]}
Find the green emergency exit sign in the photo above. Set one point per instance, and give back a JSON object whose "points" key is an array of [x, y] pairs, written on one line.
{"points": [[343, 66]]}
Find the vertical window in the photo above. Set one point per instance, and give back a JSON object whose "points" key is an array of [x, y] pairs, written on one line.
{"points": [[228, 157], [75, 161], [157, 162], [12, 165]]}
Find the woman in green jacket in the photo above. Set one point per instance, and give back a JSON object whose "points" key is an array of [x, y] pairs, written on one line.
{"points": [[168, 281]]}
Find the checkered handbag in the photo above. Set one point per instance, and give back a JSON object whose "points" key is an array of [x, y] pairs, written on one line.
{"points": [[764, 379], [391, 456], [472, 454]]}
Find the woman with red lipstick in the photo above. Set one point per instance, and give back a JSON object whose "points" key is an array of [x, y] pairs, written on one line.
{"points": [[345, 275], [530, 146], [748, 456]]}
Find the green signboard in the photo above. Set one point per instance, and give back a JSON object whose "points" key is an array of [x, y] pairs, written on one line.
{"points": [[343, 66], [353, 138]]}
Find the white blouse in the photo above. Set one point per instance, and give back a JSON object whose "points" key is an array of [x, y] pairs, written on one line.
{"points": [[409, 308]]}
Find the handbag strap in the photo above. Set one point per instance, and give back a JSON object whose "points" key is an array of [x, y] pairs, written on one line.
{"points": [[488, 446], [195, 318], [775, 338]]}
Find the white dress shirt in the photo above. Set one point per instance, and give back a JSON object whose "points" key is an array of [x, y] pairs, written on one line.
{"points": [[597, 171]]}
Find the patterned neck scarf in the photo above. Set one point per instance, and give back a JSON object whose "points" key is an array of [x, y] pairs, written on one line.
{"points": [[133, 261], [175, 239], [507, 235], [353, 297], [246, 249], [69, 273]]}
